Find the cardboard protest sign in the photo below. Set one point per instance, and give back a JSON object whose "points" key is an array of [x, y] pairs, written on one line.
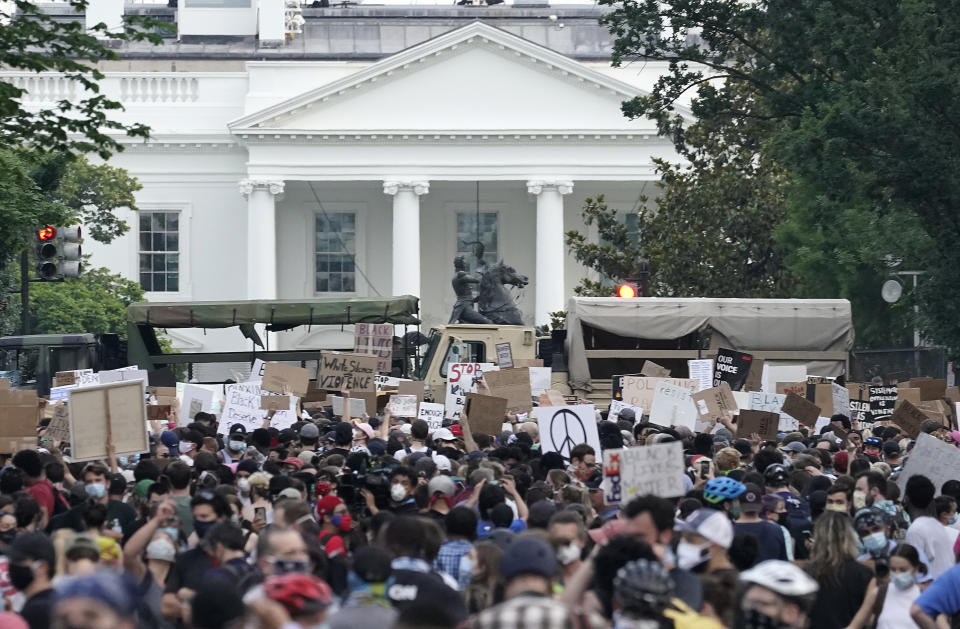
{"points": [[20, 412], [883, 400], [562, 428], [194, 400], [353, 371], [462, 378], [64, 378], [9, 379], [640, 390], [539, 380], [410, 387], [616, 384], [431, 413], [552, 397], [801, 409], [797, 388], [713, 403], [772, 403], [527, 362], [375, 339], [673, 406], [932, 458], [908, 417], [59, 427], [639, 471], [616, 406], [114, 413], [274, 402], [158, 411], [285, 379], [514, 385], [761, 422], [485, 413], [930, 388], [242, 406], [504, 356], [754, 380], [403, 405], [909, 394], [731, 367], [358, 406], [653, 370], [702, 372]]}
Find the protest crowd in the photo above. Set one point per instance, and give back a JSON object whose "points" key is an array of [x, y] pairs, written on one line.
{"points": [[379, 521]]}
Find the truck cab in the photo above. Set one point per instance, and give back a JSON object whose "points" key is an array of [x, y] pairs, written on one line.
{"points": [[34, 359]]}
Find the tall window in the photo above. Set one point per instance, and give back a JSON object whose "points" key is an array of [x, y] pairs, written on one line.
{"points": [[160, 251], [629, 220], [469, 233], [335, 242]]}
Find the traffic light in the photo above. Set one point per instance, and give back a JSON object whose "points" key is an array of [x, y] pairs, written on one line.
{"points": [[58, 253], [626, 290]]}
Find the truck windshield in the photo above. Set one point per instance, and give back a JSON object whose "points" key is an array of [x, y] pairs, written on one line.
{"points": [[433, 342]]}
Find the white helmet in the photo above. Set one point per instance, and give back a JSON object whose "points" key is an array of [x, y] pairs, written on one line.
{"points": [[781, 577]]}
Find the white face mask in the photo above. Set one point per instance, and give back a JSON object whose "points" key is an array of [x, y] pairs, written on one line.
{"points": [[243, 485], [397, 492], [566, 555], [690, 556], [186, 446]]}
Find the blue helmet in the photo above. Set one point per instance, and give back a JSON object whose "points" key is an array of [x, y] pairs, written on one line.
{"points": [[723, 488]]}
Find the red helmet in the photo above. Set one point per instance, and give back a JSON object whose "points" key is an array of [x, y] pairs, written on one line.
{"points": [[299, 593]]}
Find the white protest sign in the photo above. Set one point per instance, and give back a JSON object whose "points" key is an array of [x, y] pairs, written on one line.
{"points": [[256, 372], [403, 405], [242, 406], [639, 390], [772, 403], [673, 406], [432, 413], [388, 382], [86, 378], [539, 380], [111, 376], [562, 428], [841, 400], [742, 398], [702, 372], [106, 413], [61, 393], [821, 422], [772, 374], [375, 339], [358, 406], [462, 378], [655, 469], [617, 405], [932, 458], [194, 400]]}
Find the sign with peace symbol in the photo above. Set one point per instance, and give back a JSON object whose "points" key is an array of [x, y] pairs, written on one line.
{"points": [[566, 431], [562, 428]]}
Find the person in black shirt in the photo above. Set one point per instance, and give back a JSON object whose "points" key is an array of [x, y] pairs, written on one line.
{"points": [[32, 563]]}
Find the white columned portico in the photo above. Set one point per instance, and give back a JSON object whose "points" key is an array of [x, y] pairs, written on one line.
{"points": [[550, 247], [261, 236], [406, 234]]}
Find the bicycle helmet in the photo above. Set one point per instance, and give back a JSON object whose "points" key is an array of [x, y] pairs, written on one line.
{"points": [[642, 589], [865, 519], [299, 593], [723, 488], [776, 475], [783, 578]]}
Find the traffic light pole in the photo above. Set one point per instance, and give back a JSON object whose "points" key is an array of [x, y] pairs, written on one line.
{"points": [[24, 293]]}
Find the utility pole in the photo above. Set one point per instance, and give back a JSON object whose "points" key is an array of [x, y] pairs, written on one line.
{"points": [[24, 293]]}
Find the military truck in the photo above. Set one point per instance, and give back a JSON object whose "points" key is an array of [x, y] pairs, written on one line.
{"points": [[32, 360]]}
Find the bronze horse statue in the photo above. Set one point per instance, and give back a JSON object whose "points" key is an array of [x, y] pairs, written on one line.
{"points": [[495, 302]]}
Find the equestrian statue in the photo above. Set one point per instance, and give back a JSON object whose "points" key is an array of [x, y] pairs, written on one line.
{"points": [[494, 302]]}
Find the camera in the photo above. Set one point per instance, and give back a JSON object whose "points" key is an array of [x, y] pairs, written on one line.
{"points": [[375, 481]]}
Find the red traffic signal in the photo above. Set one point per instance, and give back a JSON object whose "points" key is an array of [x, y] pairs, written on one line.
{"points": [[46, 233], [626, 290]]}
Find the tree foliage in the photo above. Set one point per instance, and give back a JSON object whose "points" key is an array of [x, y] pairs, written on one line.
{"points": [[95, 303], [853, 102]]}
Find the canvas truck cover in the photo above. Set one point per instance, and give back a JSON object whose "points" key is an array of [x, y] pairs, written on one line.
{"points": [[278, 314], [815, 325]]}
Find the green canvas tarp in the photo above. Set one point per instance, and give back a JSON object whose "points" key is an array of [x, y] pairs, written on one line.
{"points": [[278, 314]]}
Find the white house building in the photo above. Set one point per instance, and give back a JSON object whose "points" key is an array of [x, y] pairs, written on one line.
{"points": [[361, 155]]}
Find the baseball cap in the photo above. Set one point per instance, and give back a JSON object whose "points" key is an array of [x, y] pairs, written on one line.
{"points": [[309, 431], [172, 441], [891, 448], [752, 500], [294, 461], [32, 546], [291, 493], [443, 462], [365, 428], [710, 524], [793, 446], [528, 555], [930, 426], [441, 484], [443, 434]]}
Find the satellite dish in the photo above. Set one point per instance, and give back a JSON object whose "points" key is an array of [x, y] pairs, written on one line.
{"points": [[891, 291]]}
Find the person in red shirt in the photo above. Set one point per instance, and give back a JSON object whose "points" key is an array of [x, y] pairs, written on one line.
{"points": [[335, 521], [37, 485]]}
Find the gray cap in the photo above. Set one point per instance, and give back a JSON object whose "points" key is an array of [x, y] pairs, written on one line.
{"points": [[793, 446], [310, 431], [930, 426]]}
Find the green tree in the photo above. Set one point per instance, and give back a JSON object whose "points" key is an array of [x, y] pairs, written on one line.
{"points": [[95, 303]]}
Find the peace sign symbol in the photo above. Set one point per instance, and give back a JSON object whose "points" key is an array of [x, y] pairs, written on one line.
{"points": [[566, 431]]}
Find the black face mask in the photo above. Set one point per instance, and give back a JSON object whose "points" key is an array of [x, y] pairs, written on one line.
{"points": [[753, 619], [782, 518], [7, 536], [20, 576]]}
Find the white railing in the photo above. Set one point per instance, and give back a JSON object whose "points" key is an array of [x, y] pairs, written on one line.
{"points": [[159, 88], [44, 87]]}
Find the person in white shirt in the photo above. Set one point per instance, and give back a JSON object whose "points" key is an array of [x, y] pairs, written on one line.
{"points": [[926, 533], [889, 604]]}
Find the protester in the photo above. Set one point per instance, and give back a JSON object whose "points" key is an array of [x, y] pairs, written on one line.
{"points": [[842, 580]]}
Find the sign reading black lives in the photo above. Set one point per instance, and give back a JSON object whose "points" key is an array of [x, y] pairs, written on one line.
{"points": [[731, 367], [616, 385], [882, 402]]}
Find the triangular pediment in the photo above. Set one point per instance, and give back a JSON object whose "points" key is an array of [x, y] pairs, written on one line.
{"points": [[476, 78]]}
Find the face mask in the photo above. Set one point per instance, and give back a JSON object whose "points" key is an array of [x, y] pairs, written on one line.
{"points": [[782, 518], [172, 532], [467, 565], [859, 499], [7, 536], [954, 519], [186, 446], [690, 556], [903, 580], [201, 528], [875, 541], [243, 485], [342, 521], [96, 491], [837, 508], [323, 488], [161, 549], [237, 446], [735, 512], [566, 555], [288, 566], [20, 576], [397, 492], [752, 619]]}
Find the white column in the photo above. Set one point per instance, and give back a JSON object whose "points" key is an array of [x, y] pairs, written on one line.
{"points": [[261, 236], [549, 293], [406, 234]]}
